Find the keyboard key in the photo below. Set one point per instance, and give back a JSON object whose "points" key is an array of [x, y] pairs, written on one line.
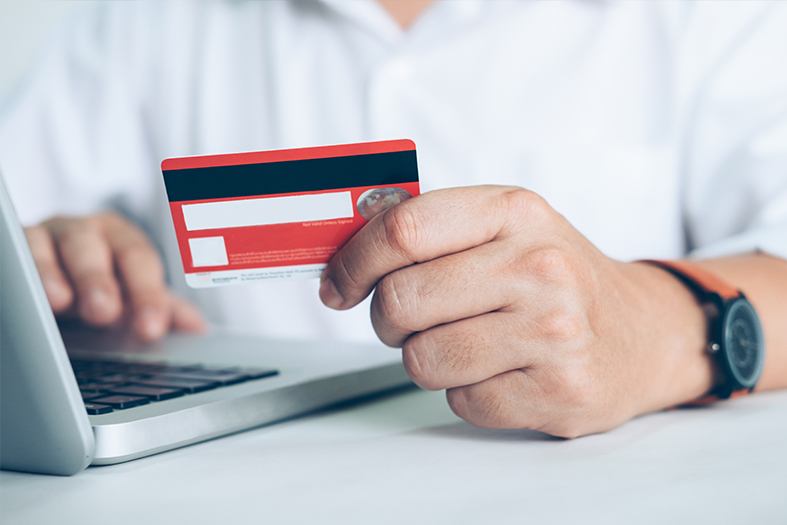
{"points": [[144, 368], [87, 377], [208, 372], [91, 394], [95, 409], [93, 385], [191, 386], [222, 377], [118, 378], [151, 392], [121, 402], [175, 369], [84, 364], [97, 368]]}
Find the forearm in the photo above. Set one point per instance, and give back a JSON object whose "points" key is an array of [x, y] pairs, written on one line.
{"points": [[763, 279]]}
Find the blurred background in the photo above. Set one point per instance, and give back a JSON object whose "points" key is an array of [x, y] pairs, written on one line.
{"points": [[25, 26]]}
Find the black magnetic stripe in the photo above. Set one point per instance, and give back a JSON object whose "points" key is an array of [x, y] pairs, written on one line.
{"points": [[292, 176]]}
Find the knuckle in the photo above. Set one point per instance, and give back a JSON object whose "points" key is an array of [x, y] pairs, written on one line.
{"points": [[402, 227], [434, 362], [525, 204], [136, 252], [117, 226], [553, 264], [490, 410], [111, 218], [35, 232], [415, 357], [54, 222], [458, 355], [457, 402], [564, 326], [68, 231], [572, 399], [579, 392], [345, 274], [40, 243], [482, 406], [395, 303]]}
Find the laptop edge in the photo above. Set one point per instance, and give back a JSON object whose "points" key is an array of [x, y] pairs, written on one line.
{"points": [[43, 423]]}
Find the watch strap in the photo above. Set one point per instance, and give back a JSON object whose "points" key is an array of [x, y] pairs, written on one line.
{"points": [[712, 398], [704, 279]]}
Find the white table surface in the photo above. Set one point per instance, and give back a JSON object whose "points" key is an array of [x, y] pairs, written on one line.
{"points": [[407, 458]]}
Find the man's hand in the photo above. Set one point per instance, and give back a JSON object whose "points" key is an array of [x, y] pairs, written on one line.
{"points": [[103, 269], [495, 297]]}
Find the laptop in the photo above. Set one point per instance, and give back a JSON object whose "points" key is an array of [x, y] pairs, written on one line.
{"points": [[87, 397]]}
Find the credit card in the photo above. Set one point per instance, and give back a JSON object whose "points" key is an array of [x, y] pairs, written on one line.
{"points": [[280, 214]]}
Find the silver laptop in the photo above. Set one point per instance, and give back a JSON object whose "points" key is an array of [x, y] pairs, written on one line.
{"points": [[102, 398]]}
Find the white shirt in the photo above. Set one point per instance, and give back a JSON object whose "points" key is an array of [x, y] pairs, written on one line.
{"points": [[656, 128]]}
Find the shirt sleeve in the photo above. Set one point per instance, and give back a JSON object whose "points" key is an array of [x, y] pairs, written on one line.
{"points": [[73, 141], [736, 150]]}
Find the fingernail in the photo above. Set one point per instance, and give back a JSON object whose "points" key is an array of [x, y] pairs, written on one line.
{"points": [[149, 323], [98, 300], [330, 295], [55, 290]]}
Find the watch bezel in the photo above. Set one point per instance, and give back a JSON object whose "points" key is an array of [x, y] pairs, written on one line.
{"points": [[733, 379]]}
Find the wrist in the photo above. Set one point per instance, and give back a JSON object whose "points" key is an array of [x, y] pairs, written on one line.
{"points": [[673, 338], [735, 340]]}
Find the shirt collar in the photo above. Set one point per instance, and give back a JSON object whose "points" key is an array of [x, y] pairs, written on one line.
{"points": [[371, 15]]}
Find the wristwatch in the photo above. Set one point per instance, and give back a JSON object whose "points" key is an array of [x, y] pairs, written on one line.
{"points": [[735, 338]]}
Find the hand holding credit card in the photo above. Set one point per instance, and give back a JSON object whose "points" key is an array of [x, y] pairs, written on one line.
{"points": [[280, 214]]}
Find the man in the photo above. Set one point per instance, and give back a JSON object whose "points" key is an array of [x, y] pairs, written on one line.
{"points": [[641, 130]]}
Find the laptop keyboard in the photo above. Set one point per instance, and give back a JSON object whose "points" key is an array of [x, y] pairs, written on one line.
{"points": [[107, 386]]}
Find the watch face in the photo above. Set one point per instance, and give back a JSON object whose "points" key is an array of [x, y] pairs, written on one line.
{"points": [[743, 343]]}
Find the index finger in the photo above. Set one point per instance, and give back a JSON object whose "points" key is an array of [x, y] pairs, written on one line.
{"points": [[142, 275], [418, 230]]}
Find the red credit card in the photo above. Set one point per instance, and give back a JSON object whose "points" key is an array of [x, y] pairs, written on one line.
{"points": [[284, 213]]}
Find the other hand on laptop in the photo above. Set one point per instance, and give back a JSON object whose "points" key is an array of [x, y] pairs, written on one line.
{"points": [[104, 270]]}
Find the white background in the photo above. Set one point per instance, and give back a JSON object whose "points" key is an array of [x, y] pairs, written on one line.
{"points": [[24, 28]]}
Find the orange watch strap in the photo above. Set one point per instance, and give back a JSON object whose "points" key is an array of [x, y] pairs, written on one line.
{"points": [[712, 398], [701, 277]]}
